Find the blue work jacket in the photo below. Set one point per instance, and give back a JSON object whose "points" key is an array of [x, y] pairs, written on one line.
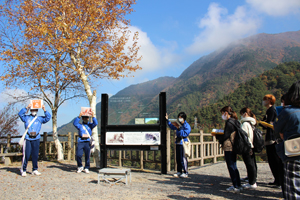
{"points": [[36, 125], [182, 132], [89, 127]]}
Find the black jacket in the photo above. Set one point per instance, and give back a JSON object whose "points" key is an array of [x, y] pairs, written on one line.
{"points": [[229, 128], [270, 117]]}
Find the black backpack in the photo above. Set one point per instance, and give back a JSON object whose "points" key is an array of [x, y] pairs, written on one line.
{"points": [[241, 144], [258, 140]]}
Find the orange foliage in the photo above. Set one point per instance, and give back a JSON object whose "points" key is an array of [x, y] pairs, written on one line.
{"points": [[74, 38]]}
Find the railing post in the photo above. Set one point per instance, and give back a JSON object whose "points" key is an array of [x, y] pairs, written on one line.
{"points": [[168, 150], [69, 145], [142, 160], [120, 158], [215, 148], [8, 142], [74, 146], [175, 161], [45, 146], [201, 148]]}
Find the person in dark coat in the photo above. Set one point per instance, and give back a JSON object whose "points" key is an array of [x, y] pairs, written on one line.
{"points": [[274, 161]]}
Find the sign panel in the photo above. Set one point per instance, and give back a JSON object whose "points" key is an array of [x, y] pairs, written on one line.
{"points": [[36, 104], [133, 138], [139, 121], [153, 120], [86, 111]]}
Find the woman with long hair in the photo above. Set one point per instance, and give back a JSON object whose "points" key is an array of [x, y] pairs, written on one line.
{"points": [[248, 121], [227, 141]]}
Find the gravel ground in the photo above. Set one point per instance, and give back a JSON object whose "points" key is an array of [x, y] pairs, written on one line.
{"points": [[59, 180]]}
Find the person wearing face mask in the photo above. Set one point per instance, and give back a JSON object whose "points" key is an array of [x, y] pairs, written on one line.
{"points": [[248, 121], [227, 141], [274, 161], [83, 143], [182, 132], [32, 138]]}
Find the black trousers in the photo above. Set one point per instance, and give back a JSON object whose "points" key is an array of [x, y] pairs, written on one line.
{"points": [[275, 164], [251, 167]]}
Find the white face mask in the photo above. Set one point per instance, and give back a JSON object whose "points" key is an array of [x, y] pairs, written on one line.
{"points": [[180, 119], [34, 113], [281, 104], [224, 117], [242, 117]]}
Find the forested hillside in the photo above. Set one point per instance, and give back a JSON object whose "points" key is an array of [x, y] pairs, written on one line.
{"points": [[250, 94]]}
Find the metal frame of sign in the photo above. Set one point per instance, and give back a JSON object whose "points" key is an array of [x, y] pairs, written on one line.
{"points": [[161, 127]]}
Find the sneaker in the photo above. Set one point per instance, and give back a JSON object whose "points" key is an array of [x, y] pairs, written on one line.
{"points": [[80, 169], [232, 188], [35, 172], [183, 175], [23, 173], [248, 186], [246, 179], [177, 174], [86, 171]]}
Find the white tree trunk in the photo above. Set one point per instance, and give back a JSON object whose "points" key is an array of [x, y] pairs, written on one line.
{"points": [[60, 152], [92, 100], [95, 131]]}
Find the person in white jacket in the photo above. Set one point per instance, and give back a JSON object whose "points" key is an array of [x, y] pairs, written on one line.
{"points": [[248, 122]]}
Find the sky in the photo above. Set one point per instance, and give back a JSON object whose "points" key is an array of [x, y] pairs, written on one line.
{"points": [[175, 33]]}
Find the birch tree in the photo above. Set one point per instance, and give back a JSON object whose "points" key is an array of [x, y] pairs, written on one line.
{"points": [[87, 39]]}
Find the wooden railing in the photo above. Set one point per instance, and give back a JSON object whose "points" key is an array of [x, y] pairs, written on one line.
{"points": [[47, 148], [204, 146], [200, 151]]}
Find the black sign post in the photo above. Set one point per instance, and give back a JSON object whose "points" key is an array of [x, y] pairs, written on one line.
{"points": [[161, 127]]}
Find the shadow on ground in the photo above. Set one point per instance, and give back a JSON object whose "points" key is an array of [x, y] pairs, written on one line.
{"points": [[63, 166], [216, 186], [12, 170]]}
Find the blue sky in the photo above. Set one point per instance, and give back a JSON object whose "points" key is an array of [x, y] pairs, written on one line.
{"points": [[175, 33]]}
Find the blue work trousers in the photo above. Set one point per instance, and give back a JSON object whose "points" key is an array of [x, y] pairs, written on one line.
{"points": [[30, 147], [83, 146], [181, 160]]}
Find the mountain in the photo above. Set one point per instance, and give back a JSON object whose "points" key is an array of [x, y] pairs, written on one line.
{"points": [[211, 77], [276, 81], [206, 80]]}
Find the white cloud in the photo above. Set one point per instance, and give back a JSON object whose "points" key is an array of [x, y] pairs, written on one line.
{"points": [[220, 28], [153, 57], [276, 7]]}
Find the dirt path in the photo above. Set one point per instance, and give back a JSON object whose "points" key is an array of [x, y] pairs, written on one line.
{"points": [[59, 180]]}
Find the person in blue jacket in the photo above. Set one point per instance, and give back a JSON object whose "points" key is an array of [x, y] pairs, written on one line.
{"points": [[288, 127], [182, 132], [32, 138], [84, 141]]}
